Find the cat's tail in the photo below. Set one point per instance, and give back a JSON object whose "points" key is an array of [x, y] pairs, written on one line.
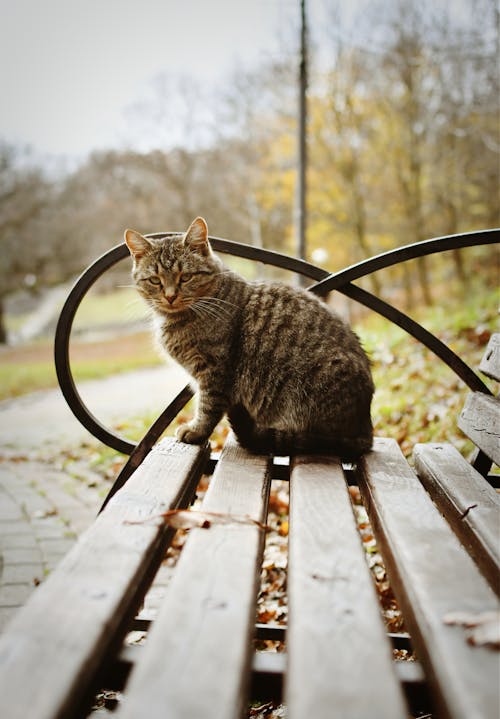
{"points": [[347, 448], [285, 443], [272, 441]]}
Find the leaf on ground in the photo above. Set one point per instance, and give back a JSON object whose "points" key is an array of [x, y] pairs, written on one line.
{"points": [[265, 616], [44, 513], [283, 529], [270, 710]]}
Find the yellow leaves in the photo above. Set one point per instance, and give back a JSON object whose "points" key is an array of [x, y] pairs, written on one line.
{"points": [[276, 188], [283, 529]]}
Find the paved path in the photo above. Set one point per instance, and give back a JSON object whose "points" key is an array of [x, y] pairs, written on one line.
{"points": [[43, 420], [47, 498]]}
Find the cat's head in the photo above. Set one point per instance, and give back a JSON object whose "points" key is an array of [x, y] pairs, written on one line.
{"points": [[173, 272]]}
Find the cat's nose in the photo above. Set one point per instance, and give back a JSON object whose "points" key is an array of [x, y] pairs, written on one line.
{"points": [[170, 299]]}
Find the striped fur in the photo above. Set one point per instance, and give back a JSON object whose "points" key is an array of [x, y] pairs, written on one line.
{"points": [[290, 374]]}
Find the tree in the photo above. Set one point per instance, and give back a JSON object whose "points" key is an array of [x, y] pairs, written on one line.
{"points": [[343, 128], [407, 67], [24, 194], [464, 159]]}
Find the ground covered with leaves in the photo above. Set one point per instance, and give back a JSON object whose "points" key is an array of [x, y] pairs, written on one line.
{"points": [[418, 398]]}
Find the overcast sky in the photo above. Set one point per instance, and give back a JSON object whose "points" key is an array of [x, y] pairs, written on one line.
{"points": [[69, 68]]}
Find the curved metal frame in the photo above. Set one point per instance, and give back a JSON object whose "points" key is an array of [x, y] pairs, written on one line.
{"points": [[324, 283]]}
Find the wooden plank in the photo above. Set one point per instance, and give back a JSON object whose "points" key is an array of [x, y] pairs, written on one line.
{"points": [[469, 503], [490, 363], [51, 651], [198, 655], [432, 576], [338, 652], [480, 421]]}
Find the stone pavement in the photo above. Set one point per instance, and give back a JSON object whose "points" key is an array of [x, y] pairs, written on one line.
{"points": [[41, 515], [46, 500]]}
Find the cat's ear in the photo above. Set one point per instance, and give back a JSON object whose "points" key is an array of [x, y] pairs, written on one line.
{"points": [[196, 238], [137, 244]]}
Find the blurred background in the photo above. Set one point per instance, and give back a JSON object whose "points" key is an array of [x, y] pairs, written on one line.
{"points": [[145, 114]]}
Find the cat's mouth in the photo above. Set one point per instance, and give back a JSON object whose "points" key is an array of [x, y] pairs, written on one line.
{"points": [[177, 305]]}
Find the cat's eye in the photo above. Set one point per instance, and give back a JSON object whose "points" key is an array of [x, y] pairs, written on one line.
{"points": [[154, 280], [186, 276]]}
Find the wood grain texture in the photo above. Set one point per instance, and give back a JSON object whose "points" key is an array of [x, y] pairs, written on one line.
{"points": [[339, 658], [470, 504], [432, 575], [197, 658], [52, 649], [490, 363], [480, 421]]}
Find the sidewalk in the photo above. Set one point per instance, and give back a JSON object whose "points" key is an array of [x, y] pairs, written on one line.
{"points": [[44, 505], [40, 518]]}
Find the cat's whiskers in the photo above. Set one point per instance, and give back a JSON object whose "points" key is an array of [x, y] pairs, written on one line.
{"points": [[206, 313], [219, 305], [215, 304], [139, 302], [211, 298], [222, 272], [136, 309], [196, 311], [199, 311], [209, 310]]}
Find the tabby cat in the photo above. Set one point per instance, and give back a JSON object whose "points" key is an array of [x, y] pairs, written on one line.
{"points": [[290, 373]]}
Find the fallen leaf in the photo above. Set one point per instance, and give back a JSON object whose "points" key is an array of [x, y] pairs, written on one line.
{"points": [[483, 629], [191, 519], [355, 494], [44, 513], [263, 709], [265, 616], [283, 529]]}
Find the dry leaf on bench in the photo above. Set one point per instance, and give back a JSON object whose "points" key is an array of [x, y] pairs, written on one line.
{"points": [[190, 519], [482, 629]]}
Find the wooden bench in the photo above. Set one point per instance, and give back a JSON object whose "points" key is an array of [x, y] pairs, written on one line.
{"points": [[438, 530]]}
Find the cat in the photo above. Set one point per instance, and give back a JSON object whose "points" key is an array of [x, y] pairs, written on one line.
{"points": [[289, 373]]}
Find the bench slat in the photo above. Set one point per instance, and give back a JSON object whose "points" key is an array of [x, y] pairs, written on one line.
{"points": [[198, 654], [469, 503], [490, 363], [480, 421], [432, 576], [51, 650], [339, 658]]}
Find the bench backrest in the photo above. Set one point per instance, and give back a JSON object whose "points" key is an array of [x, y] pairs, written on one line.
{"points": [[324, 283], [480, 417]]}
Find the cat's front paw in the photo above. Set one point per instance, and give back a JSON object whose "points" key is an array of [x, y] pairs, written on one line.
{"points": [[189, 434]]}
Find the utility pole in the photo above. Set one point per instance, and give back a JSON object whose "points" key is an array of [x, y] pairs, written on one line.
{"points": [[301, 210]]}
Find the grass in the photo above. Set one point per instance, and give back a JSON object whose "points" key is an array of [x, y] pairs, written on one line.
{"points": [[29, 368], [17, 380], [118, 307], [418, 398]]}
